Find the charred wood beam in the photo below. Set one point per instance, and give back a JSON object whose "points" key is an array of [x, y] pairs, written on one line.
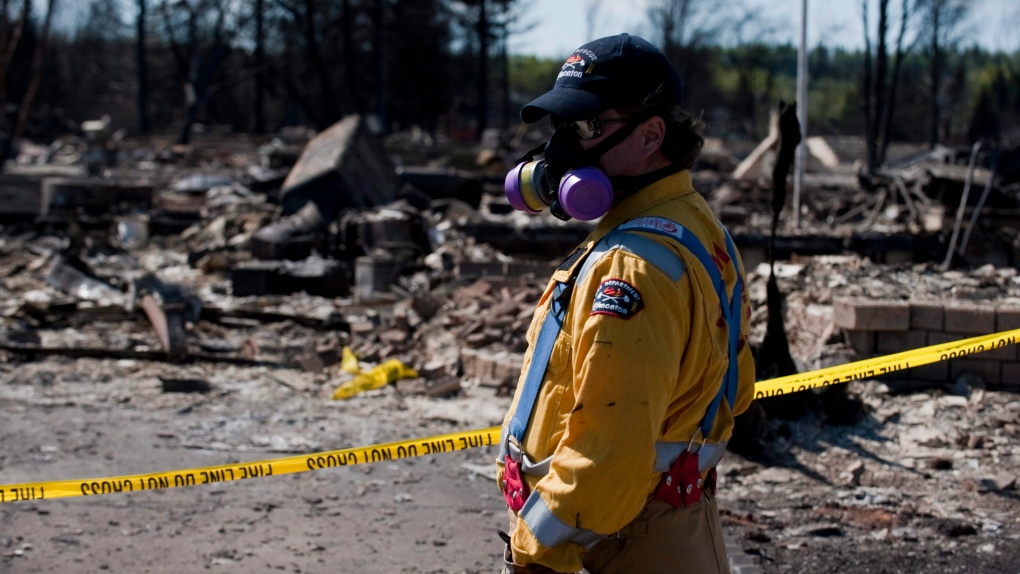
{"points": [[218, 315], [62, 314], [159, 356], [925, 247], [71, 314]]}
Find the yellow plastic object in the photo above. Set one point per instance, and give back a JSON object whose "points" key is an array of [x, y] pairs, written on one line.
{"points": [[349, 362], [375, 378]]}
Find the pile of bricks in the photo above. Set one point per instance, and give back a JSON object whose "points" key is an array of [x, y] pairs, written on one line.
{"points": [[877, 328], [498, 369], [523, 268]]}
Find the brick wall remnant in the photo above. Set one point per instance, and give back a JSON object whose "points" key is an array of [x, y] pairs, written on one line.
{"points": [[875, 328], [868, 315]]}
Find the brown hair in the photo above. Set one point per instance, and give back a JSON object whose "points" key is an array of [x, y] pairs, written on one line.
{"points": [[684, 131]]}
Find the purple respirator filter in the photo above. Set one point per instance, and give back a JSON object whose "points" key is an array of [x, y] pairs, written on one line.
{"points": [[515, 179], [585, 193]]}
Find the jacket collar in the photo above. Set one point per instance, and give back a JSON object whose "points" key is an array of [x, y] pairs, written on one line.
{"points": [[670, 187]]}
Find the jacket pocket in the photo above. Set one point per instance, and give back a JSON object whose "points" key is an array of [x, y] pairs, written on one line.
{"points": [[560, 357], [547, 422]]}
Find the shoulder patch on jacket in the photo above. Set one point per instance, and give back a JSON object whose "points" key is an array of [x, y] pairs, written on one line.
{"points": [[617, 298]]}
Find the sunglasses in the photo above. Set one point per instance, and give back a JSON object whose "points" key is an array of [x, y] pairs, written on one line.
{"points": [[585, 129]]}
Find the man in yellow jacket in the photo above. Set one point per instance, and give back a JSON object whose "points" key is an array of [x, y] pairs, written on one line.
{"points": [[638, 358]]}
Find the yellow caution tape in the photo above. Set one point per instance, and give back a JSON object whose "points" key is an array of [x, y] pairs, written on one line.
{"points": [[474, 438], [884, 365], [255, 469]]}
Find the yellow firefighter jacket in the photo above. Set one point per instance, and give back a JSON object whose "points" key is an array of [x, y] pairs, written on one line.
{"points": [[622, 379]]}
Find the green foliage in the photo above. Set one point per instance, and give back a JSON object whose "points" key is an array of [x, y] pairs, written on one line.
{"points": [[996, 105], [726, 78], [981, 93], [832, 102], [531, 76]]}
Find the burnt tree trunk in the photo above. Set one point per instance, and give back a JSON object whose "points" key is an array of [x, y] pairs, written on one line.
{"points": [[142, 70], [332, 110], [868, 102], [879, 84], [483, 67], [504, 68], [199, 89], [351, 79], [894, 80], [10, 43], [936, 76], [260, 59], [33, 86], [378, 59], [190, 114]]}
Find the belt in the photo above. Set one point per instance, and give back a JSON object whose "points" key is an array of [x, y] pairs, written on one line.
{"points": [[709, 455], [666, 454], [550, 530]]}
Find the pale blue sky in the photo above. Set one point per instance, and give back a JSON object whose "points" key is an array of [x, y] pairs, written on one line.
{"points": [[560, 26]]}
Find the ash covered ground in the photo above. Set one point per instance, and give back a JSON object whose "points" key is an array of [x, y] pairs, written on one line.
{"points": [[894, 475]]}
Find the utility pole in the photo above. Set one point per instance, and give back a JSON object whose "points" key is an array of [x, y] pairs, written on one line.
{"points": [[378, 57], [802, 107]]}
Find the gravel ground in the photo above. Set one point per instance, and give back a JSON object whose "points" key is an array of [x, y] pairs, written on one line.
{"points": [[936, 489]]}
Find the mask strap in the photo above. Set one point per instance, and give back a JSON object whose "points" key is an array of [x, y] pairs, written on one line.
{"points": [[594, 154], [627, 186], [531, 154]]}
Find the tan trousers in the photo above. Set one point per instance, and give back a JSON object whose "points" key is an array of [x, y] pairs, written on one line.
{"points": [[663, 539]]}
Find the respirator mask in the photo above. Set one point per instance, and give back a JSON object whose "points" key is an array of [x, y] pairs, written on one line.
{"points": [[567, 181]]}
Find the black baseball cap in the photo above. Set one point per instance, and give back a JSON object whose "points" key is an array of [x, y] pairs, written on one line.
{"points": [[603, 73]]}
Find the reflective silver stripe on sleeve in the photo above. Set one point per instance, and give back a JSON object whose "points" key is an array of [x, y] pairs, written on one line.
{"points": [[551, 531], [666, 454], [655, 253]]}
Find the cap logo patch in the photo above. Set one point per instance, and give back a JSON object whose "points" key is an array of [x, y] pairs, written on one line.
{"points": [[575, 61], [617, 298]]}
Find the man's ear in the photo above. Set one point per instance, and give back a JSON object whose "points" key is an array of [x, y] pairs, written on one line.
{"points": [[653, 134]]}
